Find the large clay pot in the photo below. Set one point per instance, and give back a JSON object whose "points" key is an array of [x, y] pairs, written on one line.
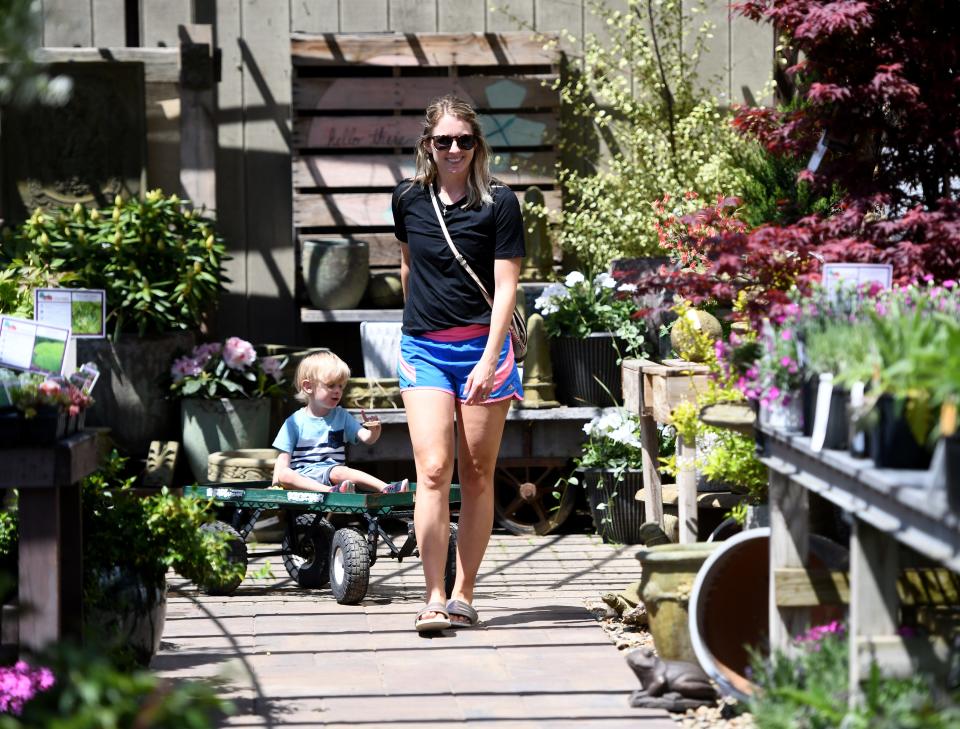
{"points": [[129, 397], [585, 370], [225, 424], [128, 613], [335, 271], [617, 514], [667, 575]]}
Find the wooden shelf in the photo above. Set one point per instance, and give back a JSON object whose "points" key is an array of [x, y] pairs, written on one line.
{"points": [[317, 316]]}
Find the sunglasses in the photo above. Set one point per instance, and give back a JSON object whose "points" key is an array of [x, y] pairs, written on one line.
{"points": [[443, 142]]}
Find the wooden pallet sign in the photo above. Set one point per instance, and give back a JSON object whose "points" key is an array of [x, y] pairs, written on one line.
{"points": [[358, 102]]}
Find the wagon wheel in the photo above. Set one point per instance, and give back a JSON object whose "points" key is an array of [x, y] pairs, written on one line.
{"points": [[524, 498]]}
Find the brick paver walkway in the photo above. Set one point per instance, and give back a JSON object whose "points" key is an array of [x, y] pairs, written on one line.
{"points": [[294, 657]]}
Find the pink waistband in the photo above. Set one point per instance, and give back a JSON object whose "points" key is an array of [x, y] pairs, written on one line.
{"points": [[458, 334]]}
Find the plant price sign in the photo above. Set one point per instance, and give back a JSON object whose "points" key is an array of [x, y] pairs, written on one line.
{"points": [[32, 345], [82, 311]]}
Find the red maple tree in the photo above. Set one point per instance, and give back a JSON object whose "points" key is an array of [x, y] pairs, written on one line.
{"points": [[879, 83]]}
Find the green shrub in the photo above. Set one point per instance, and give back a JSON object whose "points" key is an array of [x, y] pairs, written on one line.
{"points": [[810, 690], [637, 125], [158, 260]]}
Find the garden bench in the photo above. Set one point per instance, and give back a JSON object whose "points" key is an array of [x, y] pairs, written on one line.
{"points": [[329, 538]]}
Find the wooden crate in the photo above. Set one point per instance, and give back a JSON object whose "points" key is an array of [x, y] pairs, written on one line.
{"points": [[656, 388], [358, 103]]}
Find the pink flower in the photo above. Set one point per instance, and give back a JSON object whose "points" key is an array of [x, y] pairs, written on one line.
{"points": [[785, 361], [48, 388], [949, 283], [20, 683], [238, 354], [786, 335]]}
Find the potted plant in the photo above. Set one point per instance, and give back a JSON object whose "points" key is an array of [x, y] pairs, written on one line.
{"points": [[129, 543], [39, 409], [225, 391], [610, 466], [592, 326], [160, 263]]}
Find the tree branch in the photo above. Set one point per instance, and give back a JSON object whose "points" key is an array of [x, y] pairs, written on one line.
{"points": [[665, 93]]}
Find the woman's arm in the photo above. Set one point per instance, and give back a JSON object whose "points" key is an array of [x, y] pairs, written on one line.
{"points": [[506, 274], [404, 267]]}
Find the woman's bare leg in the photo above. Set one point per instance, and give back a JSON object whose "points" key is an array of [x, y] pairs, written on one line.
{"points": [[430, 420], [481, 429]]}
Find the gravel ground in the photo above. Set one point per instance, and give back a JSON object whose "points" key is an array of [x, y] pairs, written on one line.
{"points": [[630, 632]]}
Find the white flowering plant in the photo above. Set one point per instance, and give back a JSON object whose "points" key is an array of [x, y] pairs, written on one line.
{"points": [[613, 441], [231, 369], [577, 307]]}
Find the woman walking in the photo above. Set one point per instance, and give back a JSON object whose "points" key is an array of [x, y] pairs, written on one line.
{"points": [[456, 358]]}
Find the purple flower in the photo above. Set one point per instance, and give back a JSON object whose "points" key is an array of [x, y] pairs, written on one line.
{"points": [[185, 367], [272, 368]]}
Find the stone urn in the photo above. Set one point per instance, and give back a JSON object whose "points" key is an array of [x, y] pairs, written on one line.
{"points": [[246, 464], [668, 572]]}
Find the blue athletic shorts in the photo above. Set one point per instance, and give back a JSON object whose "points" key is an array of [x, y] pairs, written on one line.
{"points": [[443, 361]]}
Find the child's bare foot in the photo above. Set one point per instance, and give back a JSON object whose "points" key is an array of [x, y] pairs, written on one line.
{"points": [[344, 487]]}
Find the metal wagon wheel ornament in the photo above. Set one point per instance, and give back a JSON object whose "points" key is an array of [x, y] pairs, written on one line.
{"points": [[524, 497]]}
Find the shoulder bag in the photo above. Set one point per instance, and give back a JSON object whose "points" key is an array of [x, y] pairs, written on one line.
{"points": [[518, 327]]}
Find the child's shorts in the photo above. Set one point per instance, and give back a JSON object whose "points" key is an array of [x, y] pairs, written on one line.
{"points": [[443, 361], [319, 472]]}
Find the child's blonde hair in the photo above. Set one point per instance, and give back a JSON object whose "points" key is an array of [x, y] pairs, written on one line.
{"points": [[323, 367]]}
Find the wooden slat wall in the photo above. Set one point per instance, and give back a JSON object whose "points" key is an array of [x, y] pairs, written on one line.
{"points": [[358, 104], [254, 96]]}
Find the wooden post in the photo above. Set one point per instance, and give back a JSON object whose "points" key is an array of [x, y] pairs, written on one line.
{"points": [[874, 566], [789, 544], [687, 490], [198, 112], [40, 568], [652, 490]]}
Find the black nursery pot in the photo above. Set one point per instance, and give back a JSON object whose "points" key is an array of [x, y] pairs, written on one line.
{"points": [[892, 444], [838, 422], [808, 402], [951, 453], [11, 428]]}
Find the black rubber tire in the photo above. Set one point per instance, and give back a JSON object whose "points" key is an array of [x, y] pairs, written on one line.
{"points": [[349, 566], [236, 554], [307, 557], [450, 571]]}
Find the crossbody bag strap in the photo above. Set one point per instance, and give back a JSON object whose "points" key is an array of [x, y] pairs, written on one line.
{"points": [[456, 253]]}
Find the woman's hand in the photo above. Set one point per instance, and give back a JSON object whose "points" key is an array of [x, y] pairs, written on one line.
{"points": [[479, 383]]}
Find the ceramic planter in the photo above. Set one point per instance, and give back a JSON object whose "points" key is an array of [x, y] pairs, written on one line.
{"points": [[129, 613], [129, 397], [210, 426], [335, 271]]}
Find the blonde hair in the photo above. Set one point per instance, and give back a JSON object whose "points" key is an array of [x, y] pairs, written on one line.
{"points": [[479, 180], [323, 367]]}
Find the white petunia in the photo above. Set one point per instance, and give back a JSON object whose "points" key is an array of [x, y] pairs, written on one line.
{"points": [[573, 278], [604, 281], [627, 288]]}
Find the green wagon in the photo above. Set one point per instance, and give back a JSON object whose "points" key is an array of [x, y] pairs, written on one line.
{"points": [[329, 538]]}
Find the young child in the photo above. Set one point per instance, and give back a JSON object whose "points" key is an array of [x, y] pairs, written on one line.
{"points": [[313, 440]]}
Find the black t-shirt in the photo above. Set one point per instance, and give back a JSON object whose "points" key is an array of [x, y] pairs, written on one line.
{"points": [[440, 294]]}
